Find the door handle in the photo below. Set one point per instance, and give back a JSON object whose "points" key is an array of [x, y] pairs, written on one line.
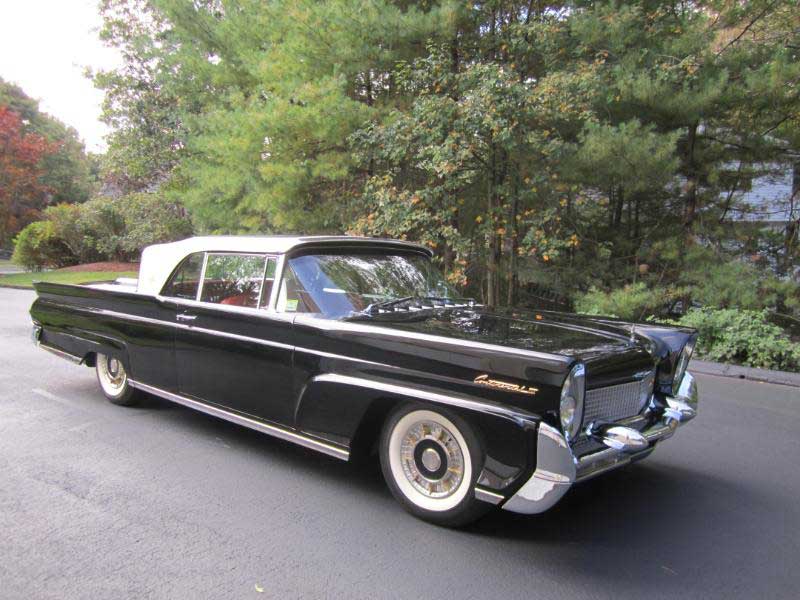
{"points": [[186, 317]]}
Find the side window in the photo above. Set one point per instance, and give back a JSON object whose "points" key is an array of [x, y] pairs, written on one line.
{"points": [[233, 279], [186, 280], [292, 295]]}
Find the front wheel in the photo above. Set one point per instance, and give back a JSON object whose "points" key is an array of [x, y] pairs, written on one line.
{"points": [[430, 460], [114, 382]]}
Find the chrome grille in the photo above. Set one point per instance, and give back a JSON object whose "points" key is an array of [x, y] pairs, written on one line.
{"points": [[616, 402]]}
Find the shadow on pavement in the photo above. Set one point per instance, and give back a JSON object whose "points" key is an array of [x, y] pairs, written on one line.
{"points": [[649, 522]]}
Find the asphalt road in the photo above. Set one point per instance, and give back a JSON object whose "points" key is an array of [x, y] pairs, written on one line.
{"points": [[98, 501]]}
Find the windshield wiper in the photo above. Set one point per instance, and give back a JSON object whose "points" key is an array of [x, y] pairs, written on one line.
{"points": [[386, 304], [409, 304]]}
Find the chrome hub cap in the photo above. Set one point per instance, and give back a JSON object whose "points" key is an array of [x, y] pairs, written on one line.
{"points": [[432, 459], [112, 374], [116, 374]]}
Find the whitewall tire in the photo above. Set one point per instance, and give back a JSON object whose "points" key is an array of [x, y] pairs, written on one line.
{"points": [[113, 380], [431, 459]]}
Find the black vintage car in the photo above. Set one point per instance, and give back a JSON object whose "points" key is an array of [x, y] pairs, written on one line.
{"points": [[350, 346]]}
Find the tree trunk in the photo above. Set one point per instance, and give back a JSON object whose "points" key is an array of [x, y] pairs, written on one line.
{"points": [[513, 276], [690, 171], [492, 271]]}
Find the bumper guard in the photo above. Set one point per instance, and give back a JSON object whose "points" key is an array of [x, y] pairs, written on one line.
{"points": [[557, 468]]}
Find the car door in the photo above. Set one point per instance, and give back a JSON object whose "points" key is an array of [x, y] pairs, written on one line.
{"points": [[230, 349]]}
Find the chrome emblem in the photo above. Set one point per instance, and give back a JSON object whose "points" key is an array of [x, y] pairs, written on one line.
{"points": [[505, 385]]}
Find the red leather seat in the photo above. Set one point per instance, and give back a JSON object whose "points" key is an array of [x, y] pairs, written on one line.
{"points": [[240, 300]]}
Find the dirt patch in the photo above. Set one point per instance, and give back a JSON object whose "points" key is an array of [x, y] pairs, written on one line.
{"points": [[105, 267]]}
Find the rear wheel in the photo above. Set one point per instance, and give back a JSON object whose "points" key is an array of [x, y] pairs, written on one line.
{"points": [[114, 382], [431, 459]]}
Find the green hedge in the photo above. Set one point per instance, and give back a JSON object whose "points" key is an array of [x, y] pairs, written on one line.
{"points": [[744, 337], [114, 229]]}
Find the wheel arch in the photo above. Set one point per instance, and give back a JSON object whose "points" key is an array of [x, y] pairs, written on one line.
{"points": [[352, 410], [86, 345]]}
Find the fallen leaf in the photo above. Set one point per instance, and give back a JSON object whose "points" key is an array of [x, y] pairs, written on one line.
{"points": [[259, 589]]}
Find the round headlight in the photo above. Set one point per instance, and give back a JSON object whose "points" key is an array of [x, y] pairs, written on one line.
{"points": [[571, 406], [568, 406], [683, 363]]}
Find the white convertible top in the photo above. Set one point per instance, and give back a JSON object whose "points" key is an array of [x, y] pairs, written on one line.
{"points": [[159, 260]]}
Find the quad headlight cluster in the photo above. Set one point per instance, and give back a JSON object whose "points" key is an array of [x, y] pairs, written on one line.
{"points": [[683, 362], [571, 407]]}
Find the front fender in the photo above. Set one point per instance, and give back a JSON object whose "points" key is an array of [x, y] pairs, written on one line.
{"points": [[337, 407]]}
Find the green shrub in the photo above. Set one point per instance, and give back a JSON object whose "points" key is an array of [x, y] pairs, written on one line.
{"points": [[105, 221], [38, 246], [103, 228], [150, 219], [74, 231], [737, 284], [743, 336], [633, 302]]}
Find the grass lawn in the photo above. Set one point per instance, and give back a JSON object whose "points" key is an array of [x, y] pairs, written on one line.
{"points": [[27, 279]]}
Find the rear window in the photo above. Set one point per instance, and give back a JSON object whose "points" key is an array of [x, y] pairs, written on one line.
{"points": [[186, 280]]}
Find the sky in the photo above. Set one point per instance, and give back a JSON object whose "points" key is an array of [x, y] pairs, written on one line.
{"points": [[44, 47]]}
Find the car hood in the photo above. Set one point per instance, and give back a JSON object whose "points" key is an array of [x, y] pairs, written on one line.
{"points": [[583, 338]]}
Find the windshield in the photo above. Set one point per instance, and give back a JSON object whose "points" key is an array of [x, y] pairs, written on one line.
{"points": [[337, 285]]}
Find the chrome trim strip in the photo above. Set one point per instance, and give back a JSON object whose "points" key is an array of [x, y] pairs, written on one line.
{"points": [[202, 277], [488, 496], [138, 319], [70, 357], [263, 281], [356, 327], [234, 336], [151, 321], [420, 394], [278, 432], [279, 269]]}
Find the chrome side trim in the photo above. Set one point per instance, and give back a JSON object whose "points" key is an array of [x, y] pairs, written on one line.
{"points": [[243, 338], [160, 322], [488, 496], [234, 336], [421, 394], [372, 328], [278, 432], [70, 357]]}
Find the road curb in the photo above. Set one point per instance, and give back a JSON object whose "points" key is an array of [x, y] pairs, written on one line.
{"points": [[740, 372]]}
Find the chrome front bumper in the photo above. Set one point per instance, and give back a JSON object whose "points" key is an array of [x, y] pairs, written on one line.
{"points": [[557, 468]]}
